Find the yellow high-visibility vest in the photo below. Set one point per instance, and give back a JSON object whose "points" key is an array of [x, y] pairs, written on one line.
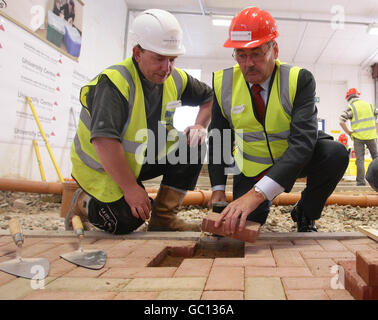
{"points": [[86, 167], [363, 120], [257, 148]]}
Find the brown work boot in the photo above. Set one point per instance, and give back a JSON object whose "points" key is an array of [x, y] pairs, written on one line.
{"points": [[78, 208], [163, 217]]}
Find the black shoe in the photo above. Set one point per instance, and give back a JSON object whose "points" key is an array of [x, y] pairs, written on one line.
{"points": [[303, 224]]}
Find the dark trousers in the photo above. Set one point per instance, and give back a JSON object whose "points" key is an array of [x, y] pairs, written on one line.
{"points": [[324, 171], [116, 217]]}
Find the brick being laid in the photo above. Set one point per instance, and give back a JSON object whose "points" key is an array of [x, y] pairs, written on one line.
{"points": [[248, 234]]}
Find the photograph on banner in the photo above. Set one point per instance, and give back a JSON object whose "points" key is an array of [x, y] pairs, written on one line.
{"points": [[60, 22]]}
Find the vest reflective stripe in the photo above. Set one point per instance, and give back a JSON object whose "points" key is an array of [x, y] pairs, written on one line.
{"points": [[228, 78], [88, 160], [178, 82], [257, 146], [260, 160], [363, 120], [260, 136]]}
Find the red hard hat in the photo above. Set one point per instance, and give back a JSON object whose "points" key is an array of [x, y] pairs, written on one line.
{"points": [[251, 28], [350, 92], [343, 139]]}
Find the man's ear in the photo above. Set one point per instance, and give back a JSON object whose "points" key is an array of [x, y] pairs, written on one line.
{"points": [[136, 53], [275, 50]]}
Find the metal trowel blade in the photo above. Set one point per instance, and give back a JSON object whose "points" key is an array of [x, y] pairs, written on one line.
{"points": [[30, 268], [91, 259]]}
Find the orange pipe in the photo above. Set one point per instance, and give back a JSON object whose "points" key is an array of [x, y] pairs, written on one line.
{"points": [[18, 185], [196, 197]]}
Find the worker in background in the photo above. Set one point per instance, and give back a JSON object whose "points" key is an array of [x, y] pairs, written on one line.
{"points": [[126, 135], [362, 116], [372, 174], [270, 108]]}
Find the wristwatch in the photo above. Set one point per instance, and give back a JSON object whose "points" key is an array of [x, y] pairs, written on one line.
{"points": [[258, 190]]}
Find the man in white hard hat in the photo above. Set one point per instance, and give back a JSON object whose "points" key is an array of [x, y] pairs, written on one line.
{"points": [[126, 135]]}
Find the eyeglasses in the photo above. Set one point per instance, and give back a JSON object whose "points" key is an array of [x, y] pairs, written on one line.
{"points": [[256, 56]]}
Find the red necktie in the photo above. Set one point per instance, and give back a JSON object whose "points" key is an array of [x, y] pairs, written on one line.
{"points": [[258, 101]]}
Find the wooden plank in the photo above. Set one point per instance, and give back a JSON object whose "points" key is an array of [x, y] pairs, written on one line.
{"points": [[370, 232]]}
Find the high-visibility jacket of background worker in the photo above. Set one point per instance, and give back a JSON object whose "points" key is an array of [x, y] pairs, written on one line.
{"points": [[363, 120], [86, 167], [258, 146]]}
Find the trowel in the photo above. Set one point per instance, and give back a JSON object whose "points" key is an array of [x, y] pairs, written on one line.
{"points": [[91, 259], [29, 268]]}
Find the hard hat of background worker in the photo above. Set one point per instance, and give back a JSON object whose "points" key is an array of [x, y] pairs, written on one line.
{"points": [[352, 91], [158, 31], [251, 28], [343, 139]]}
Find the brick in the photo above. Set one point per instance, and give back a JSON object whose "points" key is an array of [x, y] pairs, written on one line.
{"points": [[307, 245], [60, 267], [332, 245], [340, 294], [309, 294], [137, 295], [131, 273], [69, 295], [54, 253], [328, 254], [127, 262], [194, 268], [249, 234], [179, 295], [222, 295], [81, 272], [37, 250], [260, 262], [124, 248], [358, 247], [367, 266], [277, 272], [321, 267], [19, 288], [6, 277], [355, 284], [288, 258], [282, 245], [306, 283], [161, 284], [226, 279], [87, 284], [262, 288], [260, 251]]}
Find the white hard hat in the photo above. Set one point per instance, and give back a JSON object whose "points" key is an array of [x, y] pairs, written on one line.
{"points": [[158, 31]]}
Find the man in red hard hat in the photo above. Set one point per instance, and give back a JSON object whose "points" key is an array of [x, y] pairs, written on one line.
{"points": [[362, 116], [270, 109]]}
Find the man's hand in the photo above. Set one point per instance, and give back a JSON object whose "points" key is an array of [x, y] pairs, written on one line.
{"points": [[217, 196], [196, 135], [240, 207], [137, 198]]}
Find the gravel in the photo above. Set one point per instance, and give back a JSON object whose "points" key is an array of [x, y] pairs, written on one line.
{"points": [[42, 212]]}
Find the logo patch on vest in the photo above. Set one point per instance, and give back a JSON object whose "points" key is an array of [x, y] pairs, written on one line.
{"points": [[238, 109], [172, 105]]}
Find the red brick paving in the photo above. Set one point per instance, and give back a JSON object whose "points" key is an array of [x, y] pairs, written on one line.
{"points": [[305, 268]]}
